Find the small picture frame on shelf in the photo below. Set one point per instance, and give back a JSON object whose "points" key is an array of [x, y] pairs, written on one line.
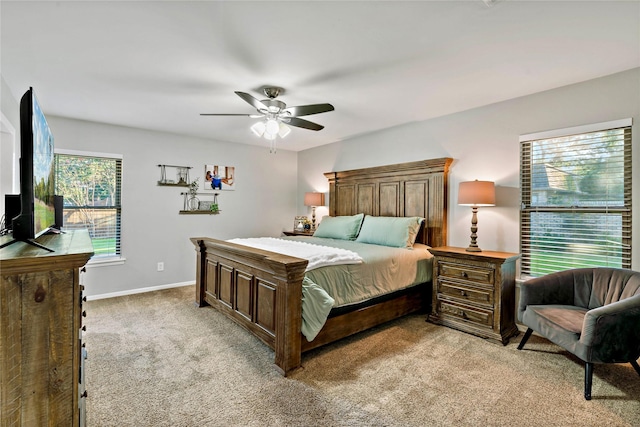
{"points": [[204, 205], [300, 224]]}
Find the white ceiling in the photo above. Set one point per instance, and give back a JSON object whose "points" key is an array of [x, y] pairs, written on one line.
{"points": [[158, 64]]}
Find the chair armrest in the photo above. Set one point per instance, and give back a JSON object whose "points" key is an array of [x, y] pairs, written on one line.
{"points": [[611, 332]]}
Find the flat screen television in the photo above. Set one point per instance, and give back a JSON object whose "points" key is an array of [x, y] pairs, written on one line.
{"points": [[37, 173]]}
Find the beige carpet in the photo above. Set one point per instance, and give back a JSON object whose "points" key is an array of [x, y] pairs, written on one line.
{"points": [[157, 360]]}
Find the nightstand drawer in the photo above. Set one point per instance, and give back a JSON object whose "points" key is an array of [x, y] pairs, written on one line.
{"points": [[466, 272], [467, 313], [464, 292]]}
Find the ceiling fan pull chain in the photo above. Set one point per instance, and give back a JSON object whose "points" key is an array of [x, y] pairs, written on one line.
{"points": [[272, 146]]}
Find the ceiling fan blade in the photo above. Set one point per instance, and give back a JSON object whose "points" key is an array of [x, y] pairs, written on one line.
{"points": [[301, 123], [215, 114], [307, 110], [251, 100]]}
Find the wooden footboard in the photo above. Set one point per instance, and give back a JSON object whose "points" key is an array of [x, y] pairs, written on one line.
{"points": [[260, 290]]}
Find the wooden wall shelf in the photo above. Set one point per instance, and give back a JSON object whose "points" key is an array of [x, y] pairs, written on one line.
{"points": [[171, 184], [198, 212]]}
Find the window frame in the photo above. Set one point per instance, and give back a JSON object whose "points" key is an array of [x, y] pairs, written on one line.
{"points": [[527, 208], [118, 258]]}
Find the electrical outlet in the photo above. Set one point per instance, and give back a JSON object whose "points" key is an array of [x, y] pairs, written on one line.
{"points": [[161, 266]]}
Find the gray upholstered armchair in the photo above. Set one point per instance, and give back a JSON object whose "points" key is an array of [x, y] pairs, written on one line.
{"points": [[593, 313]]}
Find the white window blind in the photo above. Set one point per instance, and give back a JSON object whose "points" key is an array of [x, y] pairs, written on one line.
{"points": [[576, 200], [91, 187]]}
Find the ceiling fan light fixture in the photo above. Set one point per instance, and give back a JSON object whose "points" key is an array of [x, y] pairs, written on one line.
{"points": [[284, 130], [258, 128], [276, 118], [272, 127]]}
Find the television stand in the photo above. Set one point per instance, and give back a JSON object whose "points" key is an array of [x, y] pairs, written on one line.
{"points": [[30, 242]]}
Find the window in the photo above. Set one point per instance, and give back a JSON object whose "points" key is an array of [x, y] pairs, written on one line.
{"points": [[576, 198], [91, 185]]}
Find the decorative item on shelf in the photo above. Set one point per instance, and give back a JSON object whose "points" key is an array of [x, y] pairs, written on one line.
{"points": [[193, 203], [313, 200], [214, 206], [299, 223], [476, 193], [182, 176]]}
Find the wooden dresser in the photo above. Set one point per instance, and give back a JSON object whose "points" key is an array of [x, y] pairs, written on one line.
{"points": [[475, 292], [41, 350]]}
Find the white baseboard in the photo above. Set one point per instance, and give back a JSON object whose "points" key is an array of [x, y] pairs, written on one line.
{"points": [[138, 291]]}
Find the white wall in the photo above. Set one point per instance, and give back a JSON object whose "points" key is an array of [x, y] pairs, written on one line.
{"points": [[484, 144], [263, 204]]}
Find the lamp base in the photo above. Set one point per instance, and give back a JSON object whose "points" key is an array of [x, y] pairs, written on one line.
{"points": [[473, 246], [313, 218]]}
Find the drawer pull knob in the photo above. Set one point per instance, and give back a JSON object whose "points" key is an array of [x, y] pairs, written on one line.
{"points": [[84, 313], [464, 274], [463, 293], [40, 294], [463, 314]]}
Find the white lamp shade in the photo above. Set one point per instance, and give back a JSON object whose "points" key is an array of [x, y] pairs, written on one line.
{"points": [[477, 193]]}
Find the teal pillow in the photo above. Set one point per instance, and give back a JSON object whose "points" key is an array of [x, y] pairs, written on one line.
{"points": [[397, 232], [339, 227]]}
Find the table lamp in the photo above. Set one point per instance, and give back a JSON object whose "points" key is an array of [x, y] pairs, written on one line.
{"points": [[476, 193], [313, 200]]}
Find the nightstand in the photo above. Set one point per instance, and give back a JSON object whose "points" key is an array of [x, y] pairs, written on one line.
{"points": [[298, 233], [475, 292]]}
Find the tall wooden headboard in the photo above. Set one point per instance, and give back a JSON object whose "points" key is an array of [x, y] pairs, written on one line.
{"points": [[406, 189]]}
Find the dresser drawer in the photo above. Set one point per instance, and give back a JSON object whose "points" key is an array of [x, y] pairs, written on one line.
{"points": [[466, 272], [465, 292], [467, 313]]}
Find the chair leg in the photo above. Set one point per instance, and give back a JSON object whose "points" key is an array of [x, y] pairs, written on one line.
{"points": [[588, 378], [635, 366], [525, 338]]}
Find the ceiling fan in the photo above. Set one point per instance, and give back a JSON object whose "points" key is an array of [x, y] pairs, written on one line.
{"points": [[276, 114]]}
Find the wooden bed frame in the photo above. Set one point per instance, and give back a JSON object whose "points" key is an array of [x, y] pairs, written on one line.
{"points": [[262, 291]]}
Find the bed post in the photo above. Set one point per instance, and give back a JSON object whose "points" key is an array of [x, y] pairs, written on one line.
{"points": [[201, 258], [288, 337]]}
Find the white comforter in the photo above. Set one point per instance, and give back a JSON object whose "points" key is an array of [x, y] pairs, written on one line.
{"points": [[318, 256]]}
